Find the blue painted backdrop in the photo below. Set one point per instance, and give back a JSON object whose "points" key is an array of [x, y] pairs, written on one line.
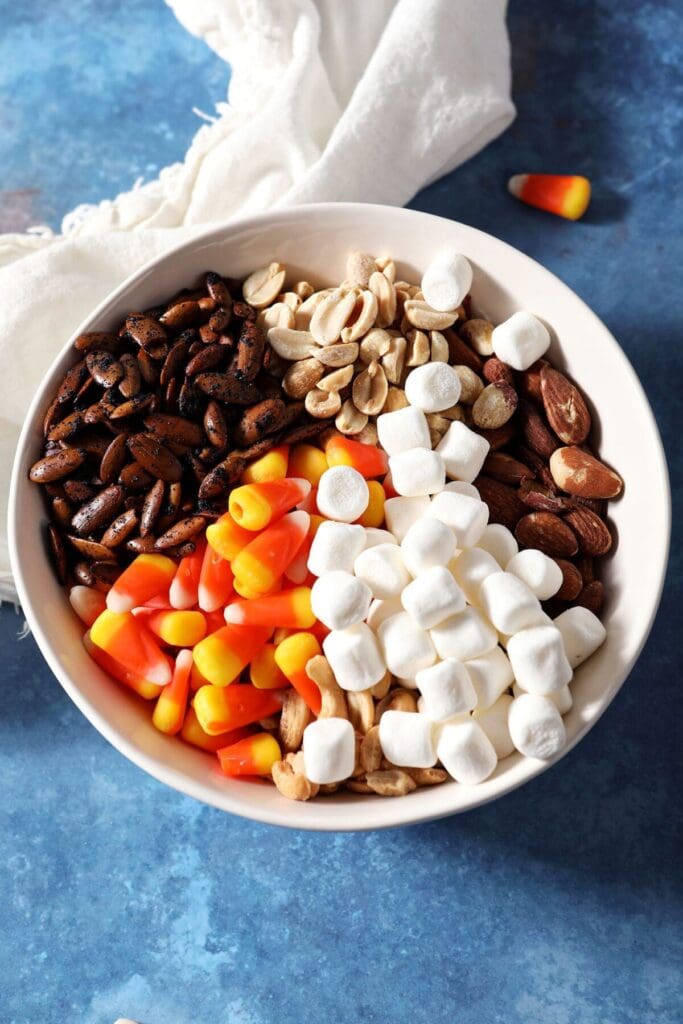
{"points": [[558, 905]]}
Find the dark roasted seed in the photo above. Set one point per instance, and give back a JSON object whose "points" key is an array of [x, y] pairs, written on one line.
{"points": [[208, 358], [141, 545], [78, 491], [174, 429], [180, 532], [57, 465], [62, 511], [215, 427], [148, 368], [113, 459], [180, 314], [218, 289], [177, 355], [155, 457], [151, 508], [145, 331], [131, 381], [135, 478], [67, 427], [131, 407], [99, 511], [83, 574], [104, 368], [92, 550], [120, 529]]}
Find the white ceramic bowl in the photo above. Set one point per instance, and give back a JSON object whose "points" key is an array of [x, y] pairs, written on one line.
{"points": [[313, 242]]}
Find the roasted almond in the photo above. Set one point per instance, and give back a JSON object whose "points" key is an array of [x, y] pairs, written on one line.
{"points": [[494, 370], [592, 597], [572, 581], [155, 457], [564, 406], [535, 431], [506, 469], [132, 407], [97, 339], [504, 504], [548, 533], [577, 472], [92, 549], [529, 381], [461, 354], [594, 536]]}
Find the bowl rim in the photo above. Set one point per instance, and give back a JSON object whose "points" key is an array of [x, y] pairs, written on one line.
{"points": [[406, 812]]}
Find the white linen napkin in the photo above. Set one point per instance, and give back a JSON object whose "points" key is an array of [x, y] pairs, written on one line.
{"points": [[365, 100]]}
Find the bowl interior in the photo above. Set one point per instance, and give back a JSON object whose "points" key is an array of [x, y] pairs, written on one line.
{"points": [[313, 243]]}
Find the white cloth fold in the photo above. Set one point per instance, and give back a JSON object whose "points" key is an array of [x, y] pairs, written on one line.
{"points": [[365, 100]]}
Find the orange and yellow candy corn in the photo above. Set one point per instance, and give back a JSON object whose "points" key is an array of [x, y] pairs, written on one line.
{"points": [[366, 458], [143, 687], [128, 641], [184, 587], [221, 708], [374, 513], [308, 462], [291, 657], [249, 594], [271, 466], [215, 581], [227, 538], [566, 195], [170, 708], [193, 733], [146, 577], [255, 506], [179, 629], [87, 603], [297, 571], [221, 657], [255, 755], [261, 564], [264, 672], [291, 608]]}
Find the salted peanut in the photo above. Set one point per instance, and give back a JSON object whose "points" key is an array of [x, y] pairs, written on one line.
{"points": [[295, 716], [371, 750], [397, 699], [455, 412], [303, 289], [301, 377], [277, 315], [290, 299], [381, 689], [370, 390], [333, 701], [438, 345], [438, 425], [419, 350], [374, 345], [360, 267], [471, 385], [290, 344], [385, 294], [332, 315], [421, 315], [387, 266], [357, 785], [477, 333], [361, 710], [349, 419], [289, 778], [427, 776], [337, 380], [393, 361], [396, 399], [322, 404], [262, 287], [392, 782], [495, 406], [365, 313], [368, 435], [308, 308], [335, 356]]}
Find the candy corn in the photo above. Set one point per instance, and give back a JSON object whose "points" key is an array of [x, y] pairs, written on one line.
{"points": [[184, 588], [169, 712], [227, 538], [215, 581], [255, 506], [255, 755], [271, 466], [366, 458], [374, 513], [249, 594], [291, 608], [264, 672], [87, 603], [567, 195], [179, 629], [297, 571], [128, 641], [197, 680], [261, 564], [291, 657], [220, 708], [308, 462], [143, 687], [221, 657], [146, 577], [193, 733]]}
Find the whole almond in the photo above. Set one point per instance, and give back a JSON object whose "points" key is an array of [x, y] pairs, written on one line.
{"points": [[506, 469], [460, 353], [577, 472], [548, 533], [572, 581], [592, 597], [535, 431], [495, 369], [594, 536], [529, 381], [494, 406], [501, 436], [565, 407], [503, 501]]}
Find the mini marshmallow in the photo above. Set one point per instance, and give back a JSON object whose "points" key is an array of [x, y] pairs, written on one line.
{"points": [[491, 674], [339, 600], [538, 659], [416, 472], [374, 536], [464, 636], [536, 726], [520, 340], [329, 750], [401, 513], [406, 647], [499, 542], [466, 516], [342, 494], [402, 430], [407, 739], [446, 690], [432, 387], [335, 546], [494, 722], [562, 699], [432, 597], [446, 281], [582, 634], [470, 568], [509, 603], [382, 568], [541, 574], [466, 752], [382, 610], [354, 657], [462, 487], [428, 542], [463, 451]]}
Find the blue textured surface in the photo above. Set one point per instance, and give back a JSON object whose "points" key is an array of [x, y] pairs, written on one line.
{"points": [[560, 904]]}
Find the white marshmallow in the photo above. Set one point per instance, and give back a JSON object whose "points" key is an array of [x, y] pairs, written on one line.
{"points": [[339, 600], [494, 722], [463, 451], [433, 387], [407, 739], [342, 494], [470, 568], [446, 690], [466, 516], [354, 657], [406, 647], [416, 472], [536, 726], [432, 597], [335, 546], [582, 634], [329, 750], [491, 674], [447, 280], [381, 610], [402, 430], [541, 574], [520, 340], [466, 752], [374, 536], [509, 603], [401, 513], [465, 635], [538, 659], [428, 542], [462, 487], [562, 699], [499, 542], [382, 568]]}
